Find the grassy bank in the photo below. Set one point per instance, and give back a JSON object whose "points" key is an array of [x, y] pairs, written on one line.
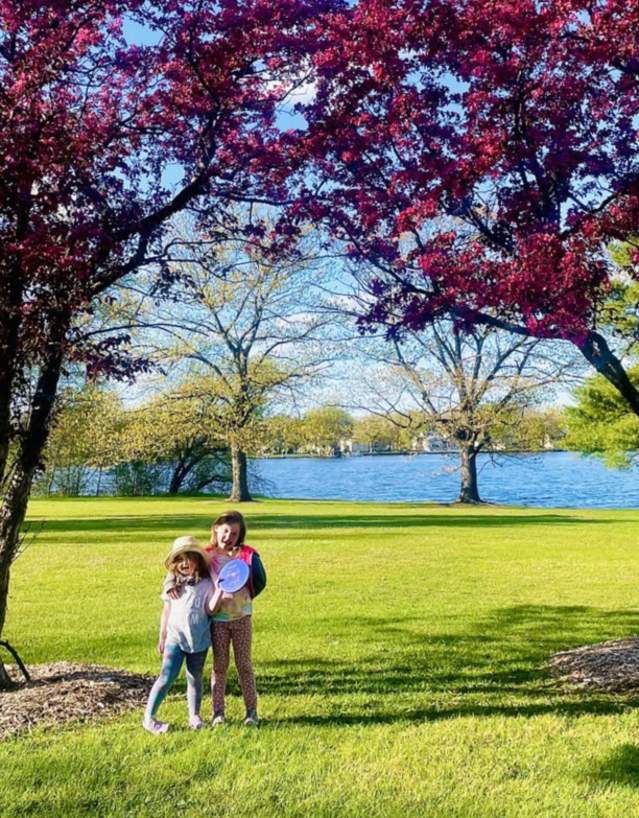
{"points": [[400, 655]]}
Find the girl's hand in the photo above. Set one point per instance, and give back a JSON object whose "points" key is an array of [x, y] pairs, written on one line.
{"points": [[161, 643], [216, 599], [175, 593]]}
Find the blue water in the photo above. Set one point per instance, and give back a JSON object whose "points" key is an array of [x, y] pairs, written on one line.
{"points": [[551, 479]]}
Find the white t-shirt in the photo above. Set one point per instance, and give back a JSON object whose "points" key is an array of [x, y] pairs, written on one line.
{"points": [[188, 624]]}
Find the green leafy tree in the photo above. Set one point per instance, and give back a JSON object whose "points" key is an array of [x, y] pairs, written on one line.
{"points": [[618, 315], [532, 430], [245, 323], [602, 424], [378, 433], [282, 434], [174, 441], [235, 404], [323, 428], [85, 439]]}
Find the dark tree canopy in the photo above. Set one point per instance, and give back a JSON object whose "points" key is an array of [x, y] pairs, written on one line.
{"points": [[102, 142]]}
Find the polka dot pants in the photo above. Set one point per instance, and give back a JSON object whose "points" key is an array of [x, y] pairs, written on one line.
{"points": [[238, 632]]}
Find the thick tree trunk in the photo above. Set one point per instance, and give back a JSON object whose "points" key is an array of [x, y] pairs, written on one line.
{"points": [[593, 346], [12, 514], [597, 352], [18, 484], [9, 332], [469, 490], [5, 681], [240, 491]]}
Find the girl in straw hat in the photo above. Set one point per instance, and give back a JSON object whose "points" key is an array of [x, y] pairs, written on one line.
{"points": [[232, 620], [184, 630]]}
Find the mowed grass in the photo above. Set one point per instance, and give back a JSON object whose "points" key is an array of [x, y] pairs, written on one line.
{"points": [[400, 653]]}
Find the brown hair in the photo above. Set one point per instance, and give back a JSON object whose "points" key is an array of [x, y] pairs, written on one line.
{"points": [[202, 569], [232, 518]]}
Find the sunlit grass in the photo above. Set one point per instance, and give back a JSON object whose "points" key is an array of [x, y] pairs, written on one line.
{"points": [[400, 653]]}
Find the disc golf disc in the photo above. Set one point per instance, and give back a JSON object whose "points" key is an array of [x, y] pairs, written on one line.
{"points": [[233, 576]]}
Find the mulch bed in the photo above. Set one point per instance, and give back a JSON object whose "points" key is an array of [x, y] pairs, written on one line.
{"points": [[63, 692], [608, 667]]}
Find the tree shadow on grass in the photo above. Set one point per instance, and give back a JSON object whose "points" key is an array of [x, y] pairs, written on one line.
{"points": [[423, 520], [497, 667], [160, 523], [143, 522], [620, 767]]}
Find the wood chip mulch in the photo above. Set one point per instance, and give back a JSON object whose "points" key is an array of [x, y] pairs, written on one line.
{"points": [[609, 667], [64, 692]]}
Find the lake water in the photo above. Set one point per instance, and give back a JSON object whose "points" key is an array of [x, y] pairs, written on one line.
{"points": [[547, 480]]}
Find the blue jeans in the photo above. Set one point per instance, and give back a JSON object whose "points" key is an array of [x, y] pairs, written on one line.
{"points": [[172, 661]]}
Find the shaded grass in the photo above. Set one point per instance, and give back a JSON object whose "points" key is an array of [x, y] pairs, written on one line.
{"points": [[400, 653]]}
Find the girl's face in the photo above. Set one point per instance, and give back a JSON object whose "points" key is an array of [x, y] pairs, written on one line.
{"points": [[227, 535], [186, 565]]}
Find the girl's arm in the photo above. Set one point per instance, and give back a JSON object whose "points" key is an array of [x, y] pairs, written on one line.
{"points": [[258, 574], [215, 600], [164, 622], [170, 588]]}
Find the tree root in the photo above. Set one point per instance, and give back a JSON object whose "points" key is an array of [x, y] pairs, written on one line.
{"points": [[17, 658]]}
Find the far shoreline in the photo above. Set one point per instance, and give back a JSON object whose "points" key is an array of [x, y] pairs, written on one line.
{"points": [[406, 453]]}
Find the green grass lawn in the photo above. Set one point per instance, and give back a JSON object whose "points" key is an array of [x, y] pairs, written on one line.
{"points": [[400, 656]]}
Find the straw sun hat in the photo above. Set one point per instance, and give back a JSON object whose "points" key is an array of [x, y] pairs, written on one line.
{"points": [[184, 544]]}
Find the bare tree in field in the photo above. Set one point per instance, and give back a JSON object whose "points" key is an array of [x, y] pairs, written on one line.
{"points": [[466, 387], [244, 327]]}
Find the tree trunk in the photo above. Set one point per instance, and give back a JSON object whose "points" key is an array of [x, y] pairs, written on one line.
{"points": [[19, 481], [9, 333], [469, 490], [593, 347], [240, 491], [12, 514], [597, 352], [50, 481], [179, 475], [5, 681]]}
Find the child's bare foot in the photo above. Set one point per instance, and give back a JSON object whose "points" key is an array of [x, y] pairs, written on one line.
{"points": [[196, 723], [155, 727]]}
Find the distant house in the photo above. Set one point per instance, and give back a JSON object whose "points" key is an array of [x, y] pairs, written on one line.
{"points": [[431, 442], [350, 446]]}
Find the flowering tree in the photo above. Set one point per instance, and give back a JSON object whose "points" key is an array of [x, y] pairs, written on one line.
{"points": [[482, 156], [102, 142]]}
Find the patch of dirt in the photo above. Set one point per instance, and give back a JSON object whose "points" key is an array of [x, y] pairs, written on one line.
{"points": [[609, 667], [63, 692]]}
